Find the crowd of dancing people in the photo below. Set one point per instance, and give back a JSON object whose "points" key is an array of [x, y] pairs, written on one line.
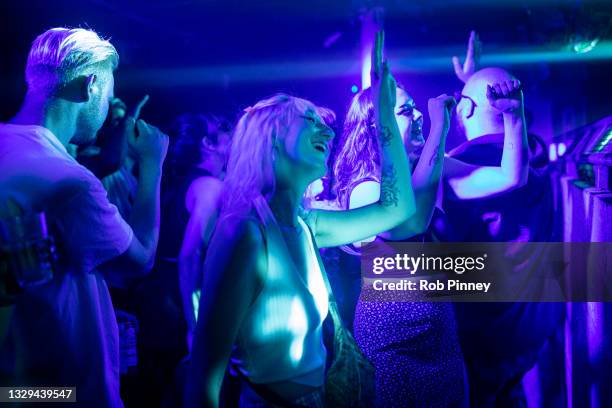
{"points": [[218, 265]]}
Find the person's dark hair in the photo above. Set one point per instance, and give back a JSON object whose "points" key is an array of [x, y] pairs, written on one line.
{"points": [[358, 155], [357, 152], [187, 134]]}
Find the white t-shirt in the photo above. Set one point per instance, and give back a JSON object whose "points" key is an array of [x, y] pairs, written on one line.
{"points": [[64, 332]]}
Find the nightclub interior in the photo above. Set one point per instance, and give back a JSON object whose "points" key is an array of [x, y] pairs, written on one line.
{"points": [[190, 193]]}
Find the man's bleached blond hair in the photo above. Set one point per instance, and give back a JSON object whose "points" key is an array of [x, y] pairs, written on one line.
{"points": [[60, 55]]}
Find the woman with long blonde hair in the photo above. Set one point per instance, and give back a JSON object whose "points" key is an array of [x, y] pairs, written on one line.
{"points": [[264, 295]]}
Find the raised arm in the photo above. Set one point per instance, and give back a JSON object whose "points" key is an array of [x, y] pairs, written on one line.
{"points": [[427, 174], [150, 147], [396, 202], [469, 181], [234, 265]]}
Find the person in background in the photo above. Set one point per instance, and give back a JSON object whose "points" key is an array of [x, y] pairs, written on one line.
{"points": [[500, 341], [341, 263], [196, 162], [413, 346], [264, 291], [64, 332], [198, 158], [408, 351]]}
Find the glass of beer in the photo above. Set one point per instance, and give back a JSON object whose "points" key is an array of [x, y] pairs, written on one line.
{"points": [[27, 249]]}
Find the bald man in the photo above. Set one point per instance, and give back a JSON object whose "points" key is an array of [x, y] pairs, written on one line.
{"points": [[497, 189], [491, 102]]}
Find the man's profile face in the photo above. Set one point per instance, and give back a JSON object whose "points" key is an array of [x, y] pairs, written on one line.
{"points": [[94, 111]]}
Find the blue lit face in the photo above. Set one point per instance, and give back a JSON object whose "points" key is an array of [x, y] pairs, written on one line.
{"points": [[409, 121], [305, 147]]}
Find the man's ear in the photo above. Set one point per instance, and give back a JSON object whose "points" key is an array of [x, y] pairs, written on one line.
{"points": [[90, 86], [207, 145]]}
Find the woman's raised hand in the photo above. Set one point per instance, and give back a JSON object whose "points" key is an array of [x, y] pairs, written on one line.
{"points": [[383, 83]]}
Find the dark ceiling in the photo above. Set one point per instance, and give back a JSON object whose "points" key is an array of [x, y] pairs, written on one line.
{"points": [[171, 33], [267, 44]]}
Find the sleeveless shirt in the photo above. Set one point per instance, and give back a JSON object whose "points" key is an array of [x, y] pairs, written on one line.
{"points": [[281, 337]]}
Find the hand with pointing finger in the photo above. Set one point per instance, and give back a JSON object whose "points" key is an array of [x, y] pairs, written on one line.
{"points": [[472, 59], [114, 139], [129, 119], [151, 145]]}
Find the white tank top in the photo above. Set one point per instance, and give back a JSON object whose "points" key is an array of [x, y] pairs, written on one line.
{"points": [[280, 338]]}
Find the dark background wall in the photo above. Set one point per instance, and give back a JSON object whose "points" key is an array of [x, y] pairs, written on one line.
{"points": [[222, 56]]}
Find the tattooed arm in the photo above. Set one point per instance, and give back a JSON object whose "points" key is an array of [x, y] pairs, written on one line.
{"points": [[396, 202], [425, 179], [427, 174]]}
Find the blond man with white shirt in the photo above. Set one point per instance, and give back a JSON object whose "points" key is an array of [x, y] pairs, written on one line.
{"points": [[64, 333]]}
